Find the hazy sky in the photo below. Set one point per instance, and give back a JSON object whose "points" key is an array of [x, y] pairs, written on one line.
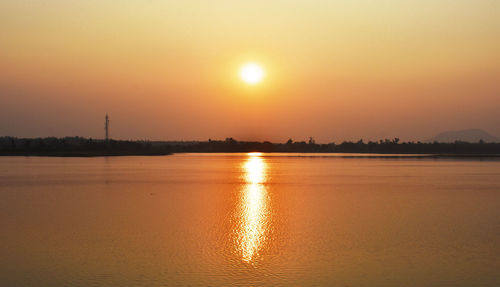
{"points": [[168, 70]]}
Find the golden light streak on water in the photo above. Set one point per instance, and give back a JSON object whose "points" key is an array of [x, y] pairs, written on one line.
{"points": [[253, 208]]}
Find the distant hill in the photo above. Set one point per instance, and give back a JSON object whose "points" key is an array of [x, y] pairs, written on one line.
{"points": [[470, 135]]}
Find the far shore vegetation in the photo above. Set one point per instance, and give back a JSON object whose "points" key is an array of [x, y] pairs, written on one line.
{"points": [[79, 146]]}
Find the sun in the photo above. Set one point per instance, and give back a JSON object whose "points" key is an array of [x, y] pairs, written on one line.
{"points": [[252, 73]]}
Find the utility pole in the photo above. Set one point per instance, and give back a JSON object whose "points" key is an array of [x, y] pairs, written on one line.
{"points": [[106, 129]]}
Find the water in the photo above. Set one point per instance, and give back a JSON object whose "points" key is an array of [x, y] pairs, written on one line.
{"points": [[249, 219]]}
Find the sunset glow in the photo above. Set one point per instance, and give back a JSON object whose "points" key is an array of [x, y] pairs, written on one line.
{"points": [[252, 73], [333, 70]]}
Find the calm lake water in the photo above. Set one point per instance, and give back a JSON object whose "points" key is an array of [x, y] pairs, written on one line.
{"points": [[249, 219]]}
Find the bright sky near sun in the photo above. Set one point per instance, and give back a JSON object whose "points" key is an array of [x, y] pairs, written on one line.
{"points": [[252, 73], [170, 70]]}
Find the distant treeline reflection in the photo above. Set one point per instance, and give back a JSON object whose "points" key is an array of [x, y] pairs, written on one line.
{"points": [[79, 146]]}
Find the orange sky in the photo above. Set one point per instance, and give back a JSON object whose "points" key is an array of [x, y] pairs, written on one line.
{"points": [[168, 70]]}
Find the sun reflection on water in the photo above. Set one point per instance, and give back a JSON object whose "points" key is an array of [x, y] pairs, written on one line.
{"points": [[253, 217]]}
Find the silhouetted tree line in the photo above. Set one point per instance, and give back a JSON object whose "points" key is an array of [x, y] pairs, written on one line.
{"points": [[79, 146], [382, 146]]}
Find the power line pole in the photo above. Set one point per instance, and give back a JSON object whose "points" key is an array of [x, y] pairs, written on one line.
{"points": [[106, 129]]}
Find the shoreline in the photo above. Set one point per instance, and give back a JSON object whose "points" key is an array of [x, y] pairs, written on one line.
{"points": [[290, 154], [79, 154]]}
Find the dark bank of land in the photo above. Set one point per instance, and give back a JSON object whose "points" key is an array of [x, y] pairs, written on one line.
{"points": [[77, 147], [88, 147]]}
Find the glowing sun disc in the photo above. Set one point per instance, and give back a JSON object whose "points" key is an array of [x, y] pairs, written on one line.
{"points": [[252, 73]]}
